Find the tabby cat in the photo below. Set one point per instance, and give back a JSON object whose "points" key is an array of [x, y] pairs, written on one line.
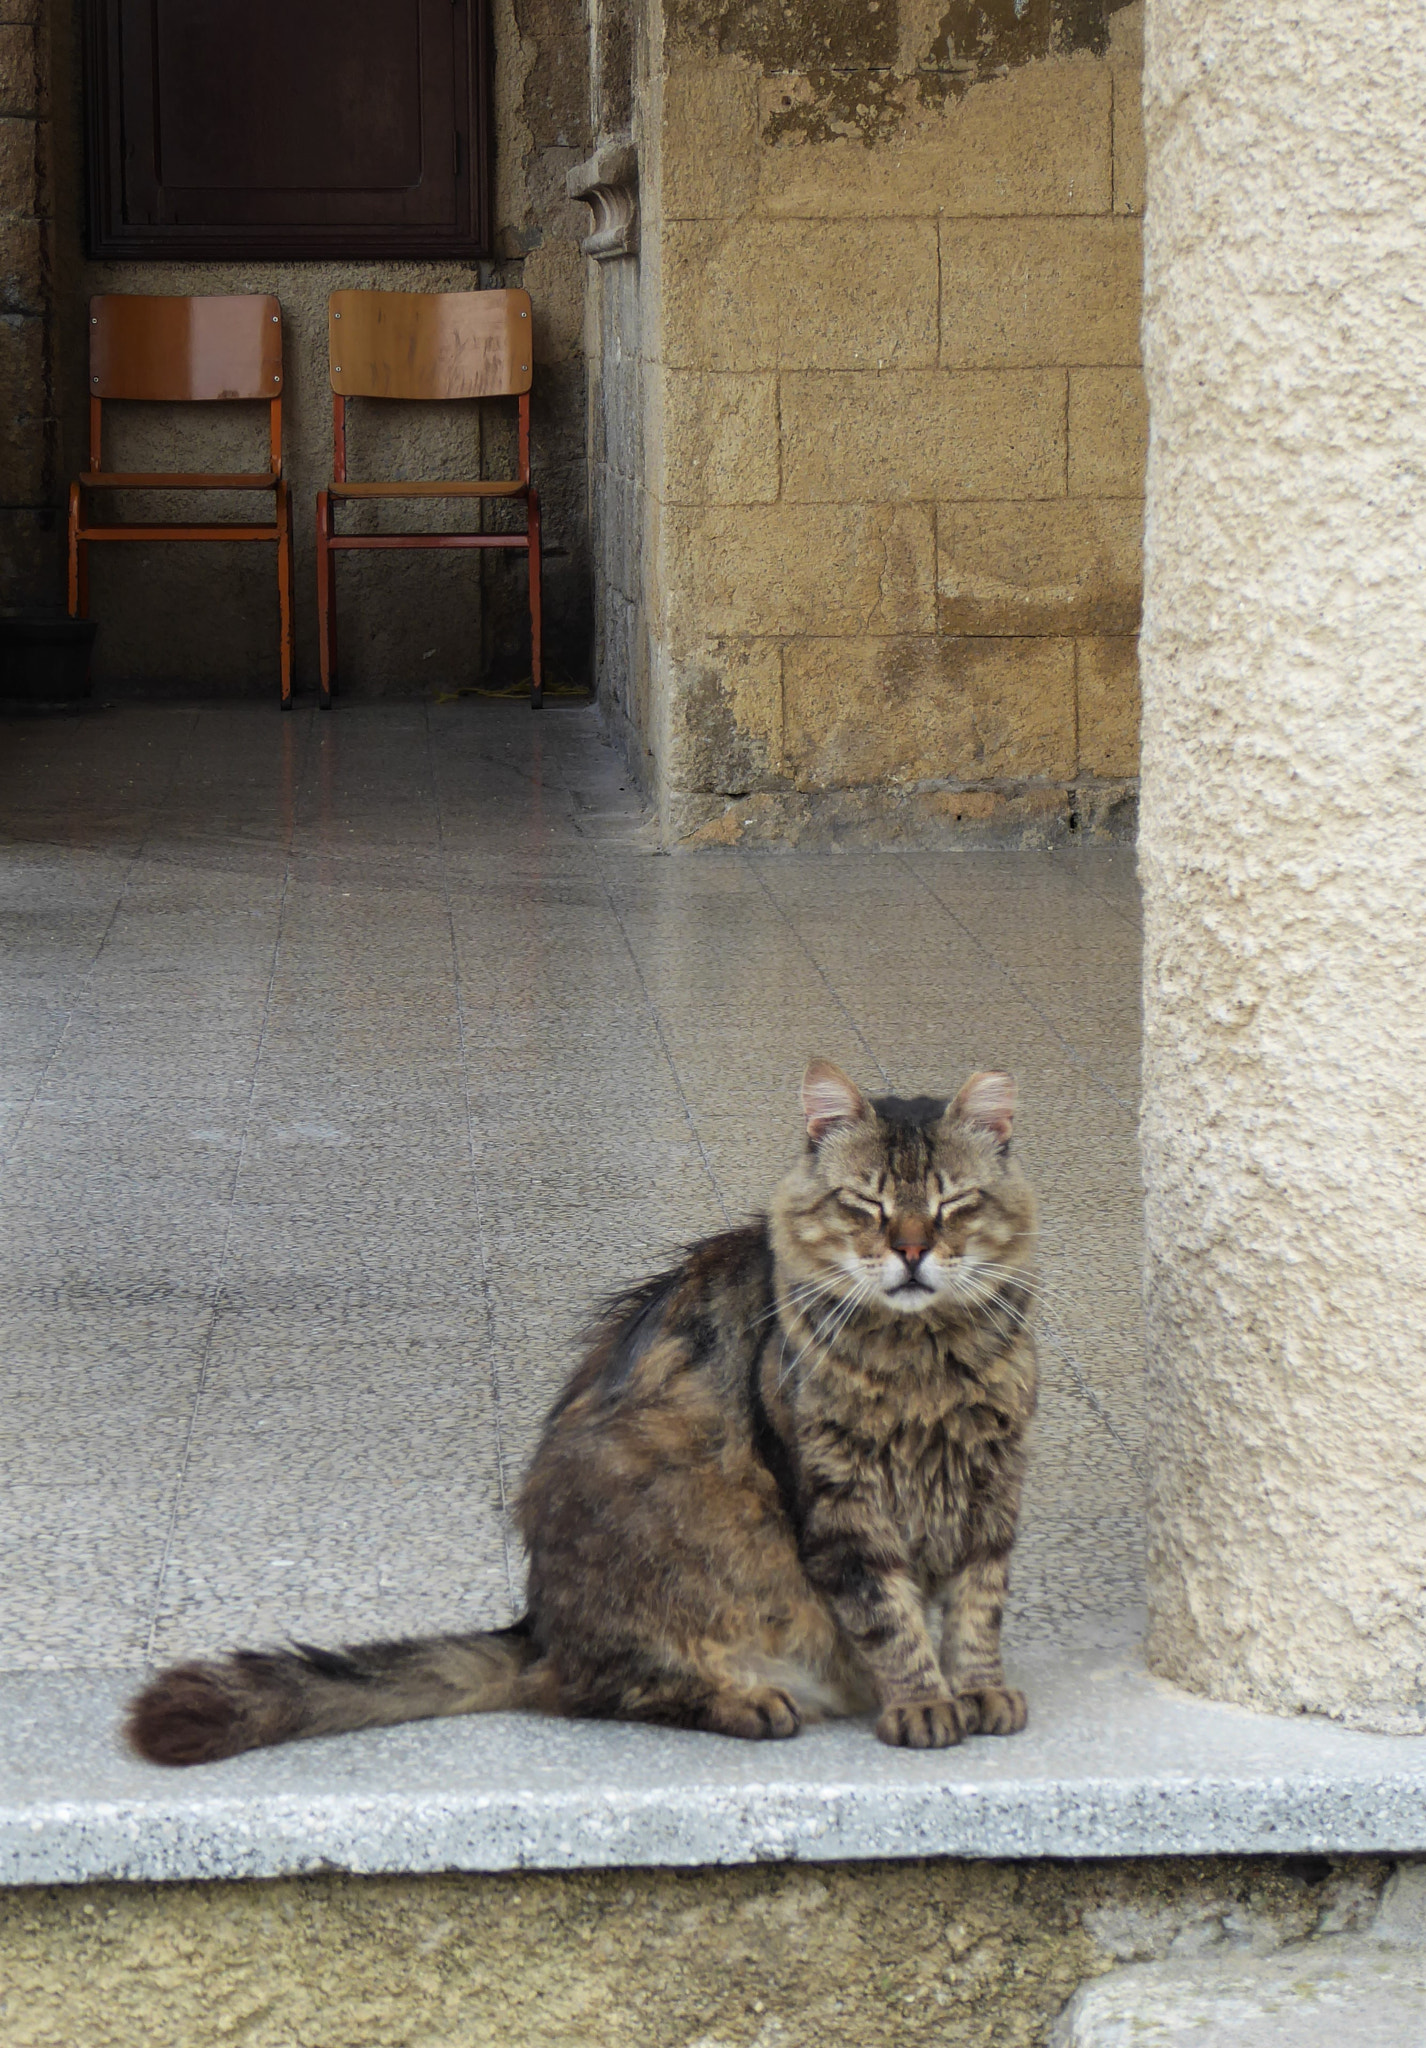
{"points": [[783, 1469]]}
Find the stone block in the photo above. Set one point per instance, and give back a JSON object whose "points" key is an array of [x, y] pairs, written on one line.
{"points": [[1034, 142], [19, 76], [1067, 565], [1126, 67], [716, 441], [849, 435], [1035, 292], [708, 141], [1108, 433], [1107, 695], [19, 179], [770, 570], [1321, 1994], [22, 460], [875, 818], [799, 295], [725, 719], [20, 275], [32, 562], [554, 87], [554, 278], [912, 710], [22, 366]]}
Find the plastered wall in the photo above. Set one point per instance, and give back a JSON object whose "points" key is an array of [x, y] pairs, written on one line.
{"points": [[894, 420], [1282, 857], [196, 619]]}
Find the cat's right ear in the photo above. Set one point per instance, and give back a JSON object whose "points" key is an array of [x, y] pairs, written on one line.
{"points": [[830, 1099]]}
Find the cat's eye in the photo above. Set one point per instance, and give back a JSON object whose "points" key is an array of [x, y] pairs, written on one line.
{"points": [[861, 1206], [964, 1204]]}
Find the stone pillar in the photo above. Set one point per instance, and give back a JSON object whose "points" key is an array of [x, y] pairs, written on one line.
{"points": [[1284, 854]]}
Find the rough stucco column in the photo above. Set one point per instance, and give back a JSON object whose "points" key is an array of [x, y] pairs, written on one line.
{"points": [[1284, 853]]}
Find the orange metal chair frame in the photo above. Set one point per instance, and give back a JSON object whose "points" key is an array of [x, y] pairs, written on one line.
{"points": [[426, 345], [184, 351]]}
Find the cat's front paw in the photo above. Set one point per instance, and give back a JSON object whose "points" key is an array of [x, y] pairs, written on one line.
{"points": [[994, 1711], [921, 1724], [761, 1714]]}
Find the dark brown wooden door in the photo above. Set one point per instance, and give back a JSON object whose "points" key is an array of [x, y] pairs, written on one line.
{"points": [[288, 127]]}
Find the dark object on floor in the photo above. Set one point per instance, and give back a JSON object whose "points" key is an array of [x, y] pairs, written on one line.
{"points": [[44, 661]]}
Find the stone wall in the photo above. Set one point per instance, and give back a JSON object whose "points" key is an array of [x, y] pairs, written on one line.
{"points": [[877, 1955], [895, 419], [206, 618], [29, 181], [618, 495]]}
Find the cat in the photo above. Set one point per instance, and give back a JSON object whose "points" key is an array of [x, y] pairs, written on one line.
{"points": [[782, 1483]]}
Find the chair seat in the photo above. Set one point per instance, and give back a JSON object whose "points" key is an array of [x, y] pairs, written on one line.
{"points": [[121, 480], [455, 488]]}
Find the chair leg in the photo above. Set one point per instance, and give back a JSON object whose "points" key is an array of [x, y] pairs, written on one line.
{"points": [[284, 590], [78, 559], [326, 600], [537, 674]]}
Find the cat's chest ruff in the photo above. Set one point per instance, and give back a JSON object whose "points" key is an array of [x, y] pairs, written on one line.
{"points": [[926, 1443]]}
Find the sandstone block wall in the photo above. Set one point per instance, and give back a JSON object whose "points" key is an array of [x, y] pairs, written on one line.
{"points": [[196, 619], [896, 425]]}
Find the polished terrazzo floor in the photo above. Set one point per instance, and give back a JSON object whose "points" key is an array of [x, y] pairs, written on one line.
{"points": [[344, 1060]]}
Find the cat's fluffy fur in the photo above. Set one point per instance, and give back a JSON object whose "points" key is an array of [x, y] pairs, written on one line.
{"points": [[783, 1482]]}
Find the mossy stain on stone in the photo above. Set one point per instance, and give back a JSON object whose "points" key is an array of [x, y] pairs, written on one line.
{"points": [[840, 34], [837, 99]]}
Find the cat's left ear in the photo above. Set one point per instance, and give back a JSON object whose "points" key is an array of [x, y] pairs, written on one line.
{"points": [[987, 1103], [829, 1098]]}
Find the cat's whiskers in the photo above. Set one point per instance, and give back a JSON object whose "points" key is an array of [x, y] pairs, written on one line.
{"points": [[830, 1328]]}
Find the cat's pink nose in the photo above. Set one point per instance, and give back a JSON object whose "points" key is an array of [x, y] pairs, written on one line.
{"points": [[912, 1253]]}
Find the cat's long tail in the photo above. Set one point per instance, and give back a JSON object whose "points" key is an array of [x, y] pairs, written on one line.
{"points": [[197, 1713]]}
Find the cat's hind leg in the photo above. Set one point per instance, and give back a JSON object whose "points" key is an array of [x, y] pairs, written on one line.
{"points": [[701, 1685]]}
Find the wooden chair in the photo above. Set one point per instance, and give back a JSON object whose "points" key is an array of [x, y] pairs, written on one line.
{"points": [[184, 351], [426, 345]]}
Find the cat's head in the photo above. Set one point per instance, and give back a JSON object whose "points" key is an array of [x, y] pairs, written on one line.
{"points": [[905, 1207]]}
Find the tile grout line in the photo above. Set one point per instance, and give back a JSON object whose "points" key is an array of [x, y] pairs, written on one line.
{"points": [[649, 1004], [216, 1290], [1053, 1337], [1099, 896], [486, 1291], [104, 938], [817, 966], [1023, 993], [1088, 1393]]}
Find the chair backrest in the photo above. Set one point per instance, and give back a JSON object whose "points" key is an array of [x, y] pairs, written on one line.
{"points": [[429, 344], [199, 348]]}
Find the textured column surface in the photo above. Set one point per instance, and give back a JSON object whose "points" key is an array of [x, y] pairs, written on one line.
{"points": [[1284, 853]]}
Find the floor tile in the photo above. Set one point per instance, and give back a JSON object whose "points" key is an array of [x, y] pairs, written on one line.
{"points": [[352, 1063]]}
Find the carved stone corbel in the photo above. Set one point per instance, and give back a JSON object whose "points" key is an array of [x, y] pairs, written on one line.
{"points": [[609, 186]]}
